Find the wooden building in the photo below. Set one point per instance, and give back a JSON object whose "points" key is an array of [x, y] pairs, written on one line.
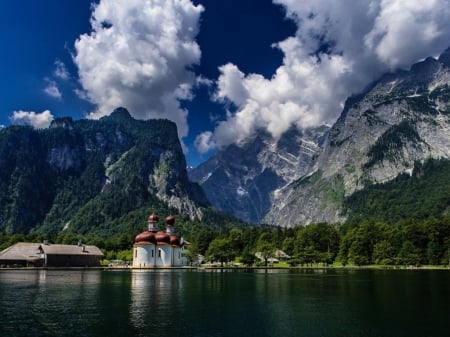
{"points": [[55, 255], [26, 254], [22, 254]]}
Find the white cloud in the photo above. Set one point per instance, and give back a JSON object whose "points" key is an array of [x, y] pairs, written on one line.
{"points": [[420, 29], [201, 80], [61, 70], [339, 48], [230, 85], [37, 120], [138, 56], [204, 143], [52, 89]]}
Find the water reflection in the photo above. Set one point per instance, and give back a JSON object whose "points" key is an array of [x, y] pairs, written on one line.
{"points": [[224, 303], [46, 302], [157, 300], [139, 298]]}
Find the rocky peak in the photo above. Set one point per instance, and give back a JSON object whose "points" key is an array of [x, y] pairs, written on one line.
{"points": [[445, 58], [425, 67], [247, 174], [402, 118], [119, 114], [63, 122]]}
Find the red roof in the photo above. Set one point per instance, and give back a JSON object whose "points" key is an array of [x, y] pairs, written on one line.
{"points": [[153, 218], [146, 236], [170, 220]]}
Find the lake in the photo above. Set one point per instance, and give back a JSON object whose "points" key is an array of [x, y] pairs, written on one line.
{"points": [[205, 303]]}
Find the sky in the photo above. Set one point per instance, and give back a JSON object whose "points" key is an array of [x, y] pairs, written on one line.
{"points": [[221, 70]]}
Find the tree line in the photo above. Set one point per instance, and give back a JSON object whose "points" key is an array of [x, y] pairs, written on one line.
{"points": [[407, 242]]}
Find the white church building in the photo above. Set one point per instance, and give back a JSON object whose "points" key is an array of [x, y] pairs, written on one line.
{"points": [[153, 248]]}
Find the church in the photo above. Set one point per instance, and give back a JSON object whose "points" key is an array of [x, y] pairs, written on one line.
{"points": [[153, 248]]}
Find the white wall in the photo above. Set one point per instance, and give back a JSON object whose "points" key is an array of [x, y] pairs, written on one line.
{"points": [[142, 256], [163, 256]]}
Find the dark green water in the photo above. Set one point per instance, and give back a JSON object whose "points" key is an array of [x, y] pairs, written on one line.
{"points": [[229, 303]]}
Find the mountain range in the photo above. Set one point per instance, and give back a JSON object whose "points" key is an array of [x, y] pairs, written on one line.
{"points": [[247, 174], [400, 121], [103, 175]]}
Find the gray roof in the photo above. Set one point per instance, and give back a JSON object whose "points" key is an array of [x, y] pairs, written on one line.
{"points": [[21, 251], [55, 249], [27, 251]]}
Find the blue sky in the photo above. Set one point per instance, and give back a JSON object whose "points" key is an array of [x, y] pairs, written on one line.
{"points": [[220, 69]]}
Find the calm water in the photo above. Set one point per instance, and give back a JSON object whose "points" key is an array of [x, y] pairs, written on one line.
{"points": [[229, 303]]}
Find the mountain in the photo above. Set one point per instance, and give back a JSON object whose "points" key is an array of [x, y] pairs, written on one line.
{"points": [[242, 178], [87, 175], [78, 175], [400, 121], [397, 123], [422, 195]]}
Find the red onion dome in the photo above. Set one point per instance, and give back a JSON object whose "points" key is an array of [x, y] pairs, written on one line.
{"points": [[170, 220], [145, 237], [162, 237], [174, 240], [153, 218]]}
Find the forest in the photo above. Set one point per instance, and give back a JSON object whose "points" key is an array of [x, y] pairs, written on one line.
{"points": [[406, 243], [402, 222]]}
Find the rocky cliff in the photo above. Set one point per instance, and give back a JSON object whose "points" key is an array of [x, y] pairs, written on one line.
{"points": [[403, 118], [241, 178], [79, 174]]}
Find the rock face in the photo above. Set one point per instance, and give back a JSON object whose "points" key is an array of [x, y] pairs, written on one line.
{"points": [[240, 179], [305, 176], [87, 172], [403, 118]]}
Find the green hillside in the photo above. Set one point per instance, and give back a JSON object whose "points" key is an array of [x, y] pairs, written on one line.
{"points": [[98, 177], [423, 194]]}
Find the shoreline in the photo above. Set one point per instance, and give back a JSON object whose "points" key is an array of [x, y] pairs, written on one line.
{"points": [[233, 268]]}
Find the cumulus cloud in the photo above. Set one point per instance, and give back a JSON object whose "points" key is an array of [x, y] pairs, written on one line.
{"points": [[338, 49], [37, 120], [138, 56]]}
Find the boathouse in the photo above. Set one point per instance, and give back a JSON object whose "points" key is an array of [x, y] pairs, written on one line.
{"points": [[28, 254], [80, 255], [22, 254], [153, 248]]}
